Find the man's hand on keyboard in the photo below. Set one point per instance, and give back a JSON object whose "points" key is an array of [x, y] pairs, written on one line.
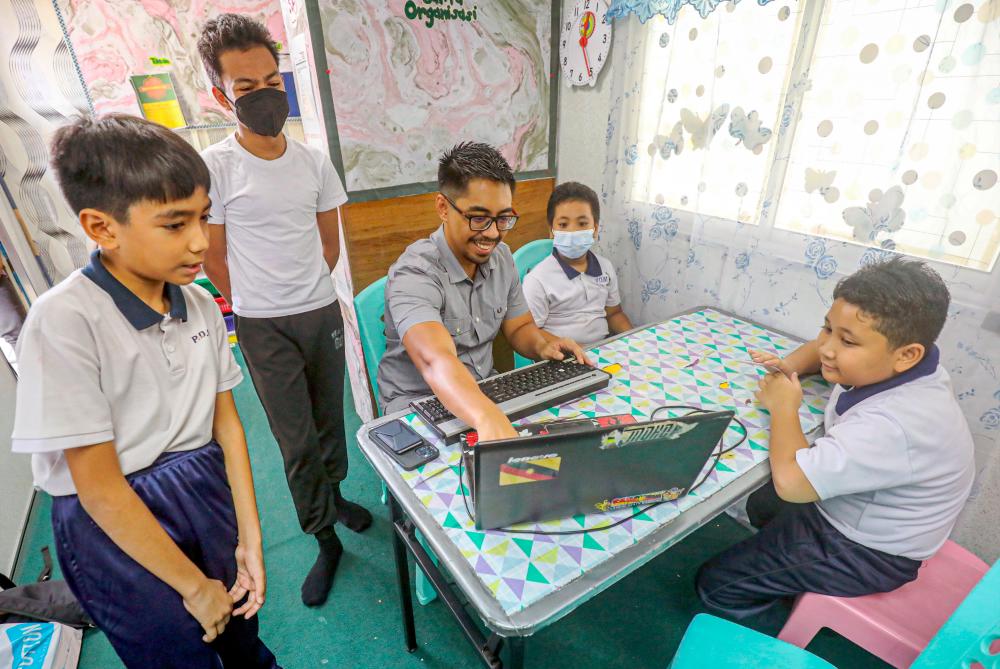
{"points": [[558, 349], [496, 428]]}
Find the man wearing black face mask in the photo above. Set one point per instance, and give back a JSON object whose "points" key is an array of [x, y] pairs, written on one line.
{"points": [[273, 242]]}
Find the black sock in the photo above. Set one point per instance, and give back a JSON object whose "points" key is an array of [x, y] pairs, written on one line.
{"points": [[316, 587], [352, 516]]}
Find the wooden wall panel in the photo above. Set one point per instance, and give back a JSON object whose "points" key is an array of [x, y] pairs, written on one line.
{"points": [[378, 231]]}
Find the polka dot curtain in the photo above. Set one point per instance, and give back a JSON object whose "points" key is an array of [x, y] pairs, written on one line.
{"points": [[897, 144], [712, 93], [871, 122]]}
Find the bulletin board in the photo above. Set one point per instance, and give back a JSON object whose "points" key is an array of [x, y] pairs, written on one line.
{"points": [[411, 78]]}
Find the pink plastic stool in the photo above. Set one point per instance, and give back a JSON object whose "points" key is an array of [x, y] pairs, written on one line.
{"points": [[895, 626]]}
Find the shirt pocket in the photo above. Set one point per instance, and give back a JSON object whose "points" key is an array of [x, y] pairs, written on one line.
{"points": [[461, 331], [491, 319]]}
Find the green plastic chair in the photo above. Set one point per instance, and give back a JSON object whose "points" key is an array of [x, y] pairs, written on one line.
{"points": [[369, 307], [714, 642], [525, 258], [972, 633]]}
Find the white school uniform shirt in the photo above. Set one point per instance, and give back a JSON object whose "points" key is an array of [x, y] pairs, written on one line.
{"points": [[269, 207], [896, 464], [97, 364], [568, 303]]}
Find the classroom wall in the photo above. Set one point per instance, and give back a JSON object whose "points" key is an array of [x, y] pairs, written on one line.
{"points": [[785, 286]]}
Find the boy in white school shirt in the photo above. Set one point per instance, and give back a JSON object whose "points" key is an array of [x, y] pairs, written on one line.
{"points": [[275, 238], [574, 292], [124, 401], [858, 511]]}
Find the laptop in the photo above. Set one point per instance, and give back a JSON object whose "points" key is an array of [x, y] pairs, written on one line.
{"points": [[560, 469]]}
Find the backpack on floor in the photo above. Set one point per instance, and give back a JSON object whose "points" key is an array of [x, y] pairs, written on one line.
{"points": [[45, 601]]}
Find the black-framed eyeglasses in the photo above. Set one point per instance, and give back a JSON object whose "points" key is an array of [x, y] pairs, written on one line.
{"points": [[480, 222]]}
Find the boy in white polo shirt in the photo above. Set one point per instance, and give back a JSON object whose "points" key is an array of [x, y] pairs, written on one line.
{"points": [[124, 401], [275, 238], [858, 511], [574, 292]]}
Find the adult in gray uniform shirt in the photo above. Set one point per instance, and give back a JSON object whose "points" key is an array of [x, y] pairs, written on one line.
{"points": [[449, 295]]}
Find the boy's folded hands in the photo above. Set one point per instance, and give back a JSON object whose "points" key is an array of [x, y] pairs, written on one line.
{"points": [[212, 606]]}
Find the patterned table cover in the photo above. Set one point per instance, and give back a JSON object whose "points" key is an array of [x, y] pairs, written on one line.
{"points": [[698, 359]]}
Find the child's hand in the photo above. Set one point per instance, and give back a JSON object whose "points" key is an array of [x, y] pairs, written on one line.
{"points": [[250, 578], [211, 606], [779, 392], [771, 362]]}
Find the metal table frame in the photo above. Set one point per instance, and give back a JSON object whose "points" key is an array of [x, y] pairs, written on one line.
{"points": [[408, 515]]}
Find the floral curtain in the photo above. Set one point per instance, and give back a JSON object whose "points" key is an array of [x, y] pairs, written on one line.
{"points": [[668, 9], [674, 254]]}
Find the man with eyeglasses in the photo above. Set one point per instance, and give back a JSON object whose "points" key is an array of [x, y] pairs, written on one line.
{"points": [[449, 295]]}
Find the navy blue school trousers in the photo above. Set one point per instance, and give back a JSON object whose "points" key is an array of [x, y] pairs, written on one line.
{"points": [[796, 551], [143, 617]]}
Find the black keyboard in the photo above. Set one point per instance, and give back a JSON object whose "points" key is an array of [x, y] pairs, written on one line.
{"points": [[519, 393]]}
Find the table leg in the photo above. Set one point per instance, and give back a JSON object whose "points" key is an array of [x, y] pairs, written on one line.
{"points": [[515, 652], [402, 574]]}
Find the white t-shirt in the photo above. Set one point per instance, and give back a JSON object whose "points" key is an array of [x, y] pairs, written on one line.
{"points": [[97, 364], [572, 304], [894, 471], [269, 207]]}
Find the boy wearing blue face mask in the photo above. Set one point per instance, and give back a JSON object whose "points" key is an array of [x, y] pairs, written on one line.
{"points": [[574, 292]]}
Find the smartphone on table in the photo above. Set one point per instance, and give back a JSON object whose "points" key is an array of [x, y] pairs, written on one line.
{"points": [[402, 443]]}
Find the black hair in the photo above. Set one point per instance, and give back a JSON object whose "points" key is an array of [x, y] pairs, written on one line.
{"points": [[572, 191], [472, 160], [114, 161], [907, 299], [230, 32]]}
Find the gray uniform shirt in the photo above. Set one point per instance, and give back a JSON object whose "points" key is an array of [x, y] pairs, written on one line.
{"points": [[428, 285]]}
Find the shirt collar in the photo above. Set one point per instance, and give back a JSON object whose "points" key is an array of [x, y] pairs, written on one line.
{"points": [[593, 266], [137, 312], [455, 271], [925, 367]]}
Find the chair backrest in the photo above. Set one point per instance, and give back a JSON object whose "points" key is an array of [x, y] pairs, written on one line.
{"points": [[369, 306], [531, 254], [972, 633]]}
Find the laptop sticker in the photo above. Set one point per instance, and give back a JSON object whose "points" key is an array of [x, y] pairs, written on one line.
{"points": [[638, 500], [661, 431], [530, 469]]}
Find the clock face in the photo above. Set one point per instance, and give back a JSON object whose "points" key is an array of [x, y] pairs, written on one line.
{"points": [[584, 42]]}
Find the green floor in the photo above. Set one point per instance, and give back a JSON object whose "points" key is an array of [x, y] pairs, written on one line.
{"points": [[637, 623]]}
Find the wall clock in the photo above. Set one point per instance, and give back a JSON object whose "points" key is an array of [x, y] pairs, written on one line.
{"points": [[584, 42]]}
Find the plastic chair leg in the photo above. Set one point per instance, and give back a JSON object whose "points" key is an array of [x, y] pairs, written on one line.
{"points": [[803, 624], [425, 591]]}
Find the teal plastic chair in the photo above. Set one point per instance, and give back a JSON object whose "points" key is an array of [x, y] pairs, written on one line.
{"points": [[525, 258], [531, 254], [369, 306], [714, 642], [971, 635]]}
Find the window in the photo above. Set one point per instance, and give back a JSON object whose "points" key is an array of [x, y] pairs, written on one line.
{"points": [[876, 124]]}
